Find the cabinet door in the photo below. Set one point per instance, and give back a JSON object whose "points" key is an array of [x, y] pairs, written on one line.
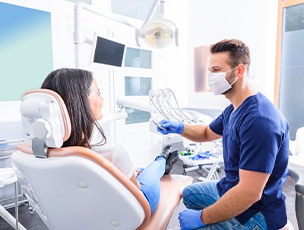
{"points": [[290, 63]]}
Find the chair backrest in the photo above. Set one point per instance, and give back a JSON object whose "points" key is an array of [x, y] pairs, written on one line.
{"points": [[75, 188], [300, 141], [296, 147], [71, 187]]}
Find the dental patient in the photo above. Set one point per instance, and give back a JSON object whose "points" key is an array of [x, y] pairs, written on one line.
{"points": [[82, 97]]}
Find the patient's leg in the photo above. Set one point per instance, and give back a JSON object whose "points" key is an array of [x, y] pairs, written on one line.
{"points": [[149, 179]]}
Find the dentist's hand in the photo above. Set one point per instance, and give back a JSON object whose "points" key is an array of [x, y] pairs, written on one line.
{"points": [[170, 127], [190, 219]]}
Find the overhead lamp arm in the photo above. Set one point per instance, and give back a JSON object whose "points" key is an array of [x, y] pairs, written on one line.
{"points": [[162, 24], [151, 11]]}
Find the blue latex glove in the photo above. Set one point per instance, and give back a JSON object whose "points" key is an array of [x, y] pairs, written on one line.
{"points": [[190, 219], [170, 127]]}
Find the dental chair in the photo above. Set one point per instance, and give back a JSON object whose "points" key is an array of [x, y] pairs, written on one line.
{"points": [[296, 172], [75, 187]]}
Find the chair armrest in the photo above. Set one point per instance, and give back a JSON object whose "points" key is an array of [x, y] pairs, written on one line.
{"points": [[297, 175]]}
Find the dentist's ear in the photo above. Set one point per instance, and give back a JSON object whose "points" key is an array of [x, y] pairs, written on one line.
{"points": [[241, 69]]}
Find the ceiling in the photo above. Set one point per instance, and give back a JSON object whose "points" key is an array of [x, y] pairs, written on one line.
{"points": [[137, 9]]}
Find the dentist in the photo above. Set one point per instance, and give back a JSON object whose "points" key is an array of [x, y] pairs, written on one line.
{"points": [[255, 138]]}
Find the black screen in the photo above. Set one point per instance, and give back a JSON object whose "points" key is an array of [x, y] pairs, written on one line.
{"points": [[108, 52]]}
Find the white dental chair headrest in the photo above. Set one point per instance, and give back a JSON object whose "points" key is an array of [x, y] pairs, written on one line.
{"points": [[45, 118]]}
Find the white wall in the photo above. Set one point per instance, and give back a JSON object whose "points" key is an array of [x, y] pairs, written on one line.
{"points": [[199, 23], [254, 22], [62, 14], [63, 55], [63, 51], [173, 70]]}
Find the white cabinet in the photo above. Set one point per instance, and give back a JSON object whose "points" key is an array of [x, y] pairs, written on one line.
{"points": [[133, 83]]}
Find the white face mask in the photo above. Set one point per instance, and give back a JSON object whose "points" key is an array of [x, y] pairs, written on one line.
{"points": [[218, 83]]}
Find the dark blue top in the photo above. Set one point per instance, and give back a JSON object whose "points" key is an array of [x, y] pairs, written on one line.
{"points": [[256, 138]]}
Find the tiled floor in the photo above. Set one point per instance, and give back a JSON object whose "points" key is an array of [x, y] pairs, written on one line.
{"points": [[33, 222]]}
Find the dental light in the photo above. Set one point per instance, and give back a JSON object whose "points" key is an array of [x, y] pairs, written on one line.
{"points": [[159, 33]]}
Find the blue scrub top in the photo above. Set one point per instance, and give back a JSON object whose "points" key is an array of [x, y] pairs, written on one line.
{"points": [[256, 138]]}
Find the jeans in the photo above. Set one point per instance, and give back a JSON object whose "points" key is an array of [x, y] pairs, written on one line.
{"points": [[200, 195], [149, 179]]}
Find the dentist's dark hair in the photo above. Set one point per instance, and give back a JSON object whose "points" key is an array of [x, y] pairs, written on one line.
{"points": [[73, 85], [238, 51]]}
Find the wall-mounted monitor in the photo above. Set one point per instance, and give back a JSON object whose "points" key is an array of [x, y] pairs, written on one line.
{"points": [[108, 52]]}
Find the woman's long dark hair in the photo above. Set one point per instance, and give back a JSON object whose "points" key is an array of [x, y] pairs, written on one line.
{"points": [[73, 85]]}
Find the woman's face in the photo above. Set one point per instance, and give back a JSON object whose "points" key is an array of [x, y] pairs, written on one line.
{"points": [[95, 100]]}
